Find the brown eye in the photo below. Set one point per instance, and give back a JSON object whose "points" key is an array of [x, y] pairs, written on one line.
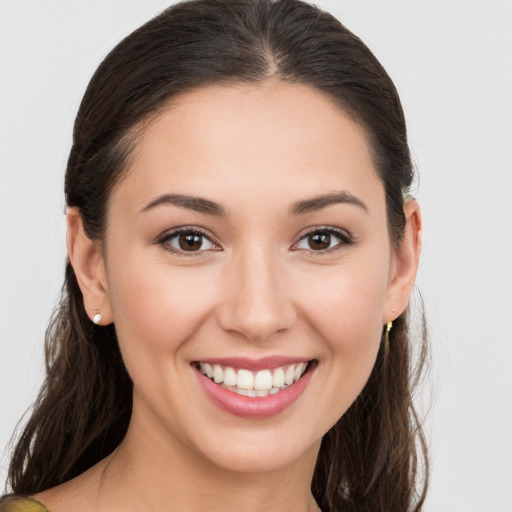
{"points": [[187, 241], [319, 241], [190, 242], [323, 240]]}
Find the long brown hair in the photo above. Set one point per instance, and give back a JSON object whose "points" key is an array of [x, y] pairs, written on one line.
{"points": [[369, 460]]}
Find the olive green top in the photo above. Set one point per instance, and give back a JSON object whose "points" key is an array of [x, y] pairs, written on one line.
{"points": [[16, 504]]}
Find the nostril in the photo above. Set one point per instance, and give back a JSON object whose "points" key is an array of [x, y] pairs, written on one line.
{"points": [[255, 326]]}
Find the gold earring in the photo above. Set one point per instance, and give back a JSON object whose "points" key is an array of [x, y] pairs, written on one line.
{"points": [[97, 317], [386, 347]]}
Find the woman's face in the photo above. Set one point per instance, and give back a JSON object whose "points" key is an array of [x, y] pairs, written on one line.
{"points": [[248, 237]]}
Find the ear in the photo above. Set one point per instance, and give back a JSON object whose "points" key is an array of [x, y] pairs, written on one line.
{"points": [[404, 264], [86, 258]]}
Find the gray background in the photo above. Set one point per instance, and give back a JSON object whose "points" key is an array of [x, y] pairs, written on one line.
{"points": [[452, 63]]}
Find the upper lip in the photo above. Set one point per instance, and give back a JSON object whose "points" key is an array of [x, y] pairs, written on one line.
{"points": [[262, 363]]}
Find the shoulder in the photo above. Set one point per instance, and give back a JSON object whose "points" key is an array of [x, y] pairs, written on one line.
{"points": [[20, 504]]}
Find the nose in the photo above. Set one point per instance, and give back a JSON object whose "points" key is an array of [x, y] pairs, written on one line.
{"points": [[257, 302]]}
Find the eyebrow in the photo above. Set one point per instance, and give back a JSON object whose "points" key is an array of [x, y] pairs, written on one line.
{"points": [[208, 207], [317, 203], [197, 204]]}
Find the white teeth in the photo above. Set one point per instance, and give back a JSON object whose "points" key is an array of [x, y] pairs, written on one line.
{"points": [[245, 379], [218, 373], [278, 378], [290, 373], [263, 380], [245, 383], [207, 369], [245, 392], [229, 377], [299, 370]]}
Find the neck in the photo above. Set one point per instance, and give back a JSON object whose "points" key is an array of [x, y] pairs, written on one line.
{"points": [[149, 473]]}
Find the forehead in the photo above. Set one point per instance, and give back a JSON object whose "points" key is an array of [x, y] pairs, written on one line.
{"points": [[273, 139]]}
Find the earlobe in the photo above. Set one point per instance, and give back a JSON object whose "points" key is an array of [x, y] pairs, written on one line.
{"points": [[406, 259], [86, 258]]}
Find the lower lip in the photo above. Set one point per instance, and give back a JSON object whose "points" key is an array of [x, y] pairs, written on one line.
{"points": [[254, 407]]}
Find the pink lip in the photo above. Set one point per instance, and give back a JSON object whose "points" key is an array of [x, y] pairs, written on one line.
{"points": [[263, 363], [257, 407]]}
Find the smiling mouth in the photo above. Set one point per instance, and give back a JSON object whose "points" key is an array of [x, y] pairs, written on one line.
{"points": [[254, 383]]}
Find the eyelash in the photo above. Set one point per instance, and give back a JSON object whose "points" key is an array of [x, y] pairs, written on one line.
{"points": [[175, 234], [344, 239]]}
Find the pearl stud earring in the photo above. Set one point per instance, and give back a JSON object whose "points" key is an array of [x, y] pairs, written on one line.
{"points": [[97, 318]]}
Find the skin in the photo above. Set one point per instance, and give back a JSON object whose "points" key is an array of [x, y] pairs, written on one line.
{"points": [[257, 290]]}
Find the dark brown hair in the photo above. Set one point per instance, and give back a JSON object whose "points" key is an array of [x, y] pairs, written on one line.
{"points": [[369, 460]]}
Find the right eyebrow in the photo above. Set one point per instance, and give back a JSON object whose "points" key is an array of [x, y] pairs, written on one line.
{"points": [[317, 203], [198, 204]]}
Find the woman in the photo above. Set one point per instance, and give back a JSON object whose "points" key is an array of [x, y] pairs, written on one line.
{"points": [[242, 247]]}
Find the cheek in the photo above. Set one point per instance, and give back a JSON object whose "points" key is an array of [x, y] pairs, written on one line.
{"points": [[156, 308], [346, 306], [351, 331], [345, 309]]}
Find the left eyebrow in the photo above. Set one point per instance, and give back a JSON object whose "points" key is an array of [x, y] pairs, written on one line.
{"points": [[317, 203], [197, 204]]}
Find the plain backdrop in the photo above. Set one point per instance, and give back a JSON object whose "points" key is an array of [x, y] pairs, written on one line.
{"points": [[452, 63]]}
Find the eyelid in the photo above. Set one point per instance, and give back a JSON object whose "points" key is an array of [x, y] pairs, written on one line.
{"points": [[195, 230], [343, 235]]}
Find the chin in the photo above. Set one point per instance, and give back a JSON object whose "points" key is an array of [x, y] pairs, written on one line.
{"points": [[260, 455]]}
